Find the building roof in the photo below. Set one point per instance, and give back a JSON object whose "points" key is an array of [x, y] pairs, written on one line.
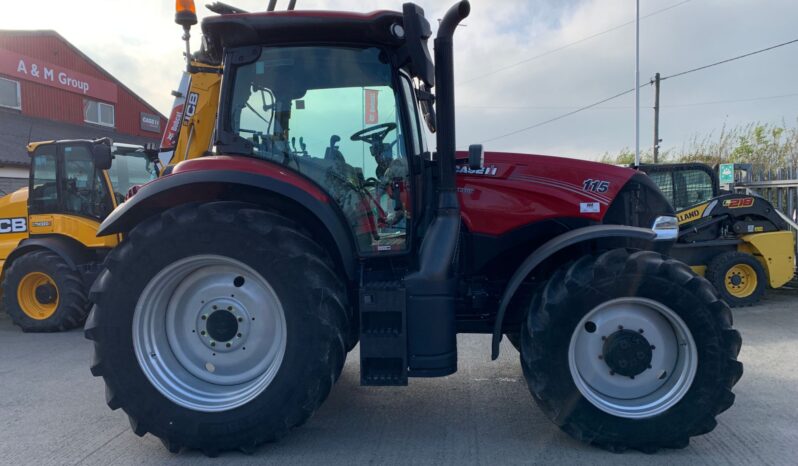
{"points": [[52, 33], [16, 130]]}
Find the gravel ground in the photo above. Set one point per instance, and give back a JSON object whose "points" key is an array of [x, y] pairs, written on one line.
{"points": [[52, 411]]}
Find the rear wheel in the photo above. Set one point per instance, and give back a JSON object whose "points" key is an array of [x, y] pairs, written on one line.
{"points": [[222, 337], [630, 351], [739, 278], [42, 293]]}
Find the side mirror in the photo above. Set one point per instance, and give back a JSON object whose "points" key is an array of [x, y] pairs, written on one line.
{"points": [[102, 156], [476, 156]]}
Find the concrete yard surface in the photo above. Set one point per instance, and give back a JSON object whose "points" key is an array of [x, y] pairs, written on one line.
{"points": [[52, 411]]}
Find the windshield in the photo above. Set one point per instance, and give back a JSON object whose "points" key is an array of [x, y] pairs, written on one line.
{"points": [[331, 113]]}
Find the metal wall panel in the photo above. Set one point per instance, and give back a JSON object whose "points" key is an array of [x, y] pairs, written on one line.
{"points": [[42, 101]]}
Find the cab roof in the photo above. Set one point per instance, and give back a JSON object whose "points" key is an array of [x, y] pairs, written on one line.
{"points": [[299, 26]]}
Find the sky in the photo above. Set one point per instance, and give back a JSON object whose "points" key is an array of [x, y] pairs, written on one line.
{"points": [[514, 67]]}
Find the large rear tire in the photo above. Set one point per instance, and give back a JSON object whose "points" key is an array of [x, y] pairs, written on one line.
{"points": [[42, 293], [630, 351], [218, 327]]}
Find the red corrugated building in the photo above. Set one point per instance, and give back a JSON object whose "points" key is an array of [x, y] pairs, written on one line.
{"points": [[51, 90]]}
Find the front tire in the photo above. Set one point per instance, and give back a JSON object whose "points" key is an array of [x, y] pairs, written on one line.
{"points": [[42, 293], [739, 278], [218, 327], [630, 351]]}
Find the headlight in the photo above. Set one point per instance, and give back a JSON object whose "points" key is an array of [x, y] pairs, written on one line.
{"points": [[666, 228]]}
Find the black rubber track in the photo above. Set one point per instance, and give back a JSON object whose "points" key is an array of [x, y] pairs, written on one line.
{"points": [[73, 305], [720, 265], [313, 297], [577, 288]]}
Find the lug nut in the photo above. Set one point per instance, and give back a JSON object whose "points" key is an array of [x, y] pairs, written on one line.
{"points": [[612, 372], [620, 327], [240, 319], [229, 308], [228, 345], [641, 330], [213, 343], [204, 317], [239, 335], [214, 306], [202, 333], [601, 357], [653, 347]]}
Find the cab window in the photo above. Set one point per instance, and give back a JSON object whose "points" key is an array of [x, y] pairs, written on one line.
{"points": [[83, 190], [44, 188], [334, 115]]}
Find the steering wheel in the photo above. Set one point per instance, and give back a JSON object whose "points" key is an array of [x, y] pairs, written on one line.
{"points": [[373, 134]]}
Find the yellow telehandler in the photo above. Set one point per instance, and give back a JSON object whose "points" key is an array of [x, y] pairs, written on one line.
{"points": [[49, 251]]}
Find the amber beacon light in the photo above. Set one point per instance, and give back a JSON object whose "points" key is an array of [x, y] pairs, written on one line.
{"points": [[185, 13]]}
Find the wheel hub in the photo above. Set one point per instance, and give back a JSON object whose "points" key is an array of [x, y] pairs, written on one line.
{"points": [[627, 353], [223, 325], [46, 293]]}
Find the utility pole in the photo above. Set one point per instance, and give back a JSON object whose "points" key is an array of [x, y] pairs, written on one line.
{"points": [[657, 140], [637, 83]]}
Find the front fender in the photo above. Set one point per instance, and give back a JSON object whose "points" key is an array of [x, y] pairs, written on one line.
{"points": [[226, 178], [551, 247]]}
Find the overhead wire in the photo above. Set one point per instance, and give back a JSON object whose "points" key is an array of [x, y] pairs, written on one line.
{"points": [[570, 44], [620, 94]]}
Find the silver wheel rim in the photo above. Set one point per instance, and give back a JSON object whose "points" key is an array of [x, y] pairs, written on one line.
{"points": [[209, 333], [673, 358]]}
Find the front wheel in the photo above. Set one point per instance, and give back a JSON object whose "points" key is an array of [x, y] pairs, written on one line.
{"points": [[630, 350], [218, 327], [42, 293], [739, 278]]}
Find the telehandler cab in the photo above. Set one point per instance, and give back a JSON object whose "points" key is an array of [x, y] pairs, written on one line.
{"points": [[245, 276]]}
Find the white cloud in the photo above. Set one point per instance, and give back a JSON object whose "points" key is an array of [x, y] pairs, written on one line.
{"points": [[139, 43]]}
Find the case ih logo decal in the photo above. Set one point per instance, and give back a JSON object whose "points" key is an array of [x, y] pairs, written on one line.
{"points": [[738, 203], [485, 171], [595, 186], [13, 225]]}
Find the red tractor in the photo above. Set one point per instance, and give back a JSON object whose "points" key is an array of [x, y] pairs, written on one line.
{"points": [[224, 317]]}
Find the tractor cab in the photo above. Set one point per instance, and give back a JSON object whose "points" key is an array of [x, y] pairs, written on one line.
{"points": [[344, 115]]}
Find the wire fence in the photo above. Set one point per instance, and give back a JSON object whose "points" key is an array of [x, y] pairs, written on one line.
{"points": [[779, 186]]}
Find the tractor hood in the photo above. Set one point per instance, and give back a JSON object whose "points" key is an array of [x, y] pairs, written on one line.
{"points": [[513, 190]]}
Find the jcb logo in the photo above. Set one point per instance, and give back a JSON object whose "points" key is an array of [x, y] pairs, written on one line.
{"points": [[191, 107], [13, 225], [738, 203]]}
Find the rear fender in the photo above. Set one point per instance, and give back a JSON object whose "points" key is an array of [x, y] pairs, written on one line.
{"points": [[775, 251], [217, 178], [573, 238]]}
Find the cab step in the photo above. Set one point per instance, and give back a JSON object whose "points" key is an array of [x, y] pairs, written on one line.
{"points": [[383, 334]]}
